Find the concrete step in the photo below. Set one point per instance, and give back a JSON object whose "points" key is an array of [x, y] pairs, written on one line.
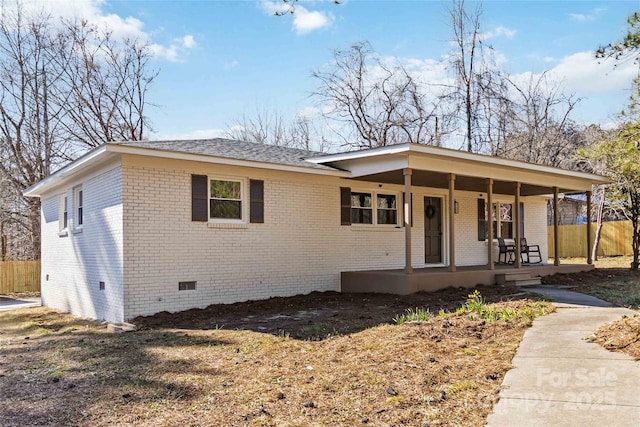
{"points": [[503, 278], [524, 282], [517, 278]]}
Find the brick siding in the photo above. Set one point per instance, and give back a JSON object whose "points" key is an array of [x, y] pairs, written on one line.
{"points": [[139, 239]]}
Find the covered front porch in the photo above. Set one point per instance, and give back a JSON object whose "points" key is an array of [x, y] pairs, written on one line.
{"points": [[455, 174]]}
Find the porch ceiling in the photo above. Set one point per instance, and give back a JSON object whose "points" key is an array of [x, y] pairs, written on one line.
{"points": [[431, 179], [430, 167]]}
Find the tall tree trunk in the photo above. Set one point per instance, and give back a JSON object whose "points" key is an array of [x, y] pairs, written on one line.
{"points": [[635, 220], [596, 240], [34, 219]]}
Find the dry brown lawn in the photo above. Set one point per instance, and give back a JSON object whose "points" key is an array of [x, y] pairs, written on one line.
{"points": [[323, 359]]}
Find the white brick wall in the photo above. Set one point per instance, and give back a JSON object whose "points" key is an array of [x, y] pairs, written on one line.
{"points": [[75, 263], [300, 248], [535, 224]]}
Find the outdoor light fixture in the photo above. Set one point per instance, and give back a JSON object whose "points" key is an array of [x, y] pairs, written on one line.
{"points": [[455, 206]]}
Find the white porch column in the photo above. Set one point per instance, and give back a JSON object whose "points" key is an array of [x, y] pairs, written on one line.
{"points": [[407, 220], [489, 207], [516, 217], [452, 236], [589, 258], [556, 239]]}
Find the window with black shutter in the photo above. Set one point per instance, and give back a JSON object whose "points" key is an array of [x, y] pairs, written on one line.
{"points": [[345, 206], [256, 204], [482, 220], [199, 196]]}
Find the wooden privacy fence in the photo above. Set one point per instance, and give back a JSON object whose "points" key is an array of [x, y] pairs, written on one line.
{"points": [[19, 276], [615, 239]]}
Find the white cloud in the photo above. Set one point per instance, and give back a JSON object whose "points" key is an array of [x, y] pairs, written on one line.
{"points": [[604, 90], [583, 74], [499, 31], [426, 71], [310, 113], [580, 17], [176, 50], [189, 42], [121, 27], [274, 7], [587, 17], [304, 20]]}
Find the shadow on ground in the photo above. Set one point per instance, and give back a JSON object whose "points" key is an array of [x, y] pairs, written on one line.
{"points": [[320, 314]]}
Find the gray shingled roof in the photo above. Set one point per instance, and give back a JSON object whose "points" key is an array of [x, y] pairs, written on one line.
{"points": [[239, 150]]}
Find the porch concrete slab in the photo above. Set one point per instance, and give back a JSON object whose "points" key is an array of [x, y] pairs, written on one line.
{"points": [[561, 379]]}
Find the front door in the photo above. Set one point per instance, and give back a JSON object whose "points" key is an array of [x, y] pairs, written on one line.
{"points": [[432, 230]]}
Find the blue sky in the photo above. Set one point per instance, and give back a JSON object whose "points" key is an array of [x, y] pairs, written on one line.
{"points": [[219, 60]]}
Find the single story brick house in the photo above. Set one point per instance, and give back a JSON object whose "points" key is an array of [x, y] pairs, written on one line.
{"points": [[136, 228]]}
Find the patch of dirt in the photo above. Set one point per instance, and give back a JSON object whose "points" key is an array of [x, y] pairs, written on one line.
{"points": [[623, 336], [319, 314], [590, 278], [182, 370]]}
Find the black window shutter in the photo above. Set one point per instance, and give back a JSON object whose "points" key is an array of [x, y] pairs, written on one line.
{"points": [[345, 205], [199, 195], [521, 219], [410, 212], [256, 203], [482, 223]]}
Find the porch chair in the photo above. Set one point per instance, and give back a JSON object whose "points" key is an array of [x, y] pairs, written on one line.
{"points": [[508, 252], [529, 251]]}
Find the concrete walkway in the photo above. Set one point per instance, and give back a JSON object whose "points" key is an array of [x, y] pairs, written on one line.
{"points": [[559, 379], [9, 303]]}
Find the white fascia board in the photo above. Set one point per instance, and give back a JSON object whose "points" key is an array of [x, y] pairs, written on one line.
{"points": [[500, 162], [361, 154], [448, 154], [101, 153], [88, 159], [176, 155]]}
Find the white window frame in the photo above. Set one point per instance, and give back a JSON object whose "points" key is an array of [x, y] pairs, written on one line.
{"points": [[244, 202], [374, 207], [499, 218], [78, 208], [63, 209], [498, 228]]}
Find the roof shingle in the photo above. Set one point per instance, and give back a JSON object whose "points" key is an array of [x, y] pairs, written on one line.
{"points": [[239, 150]]}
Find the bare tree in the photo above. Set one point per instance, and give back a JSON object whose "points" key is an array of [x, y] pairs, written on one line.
{"points": [[263, 127], [52, 78], [105, 85], [535, 119], [377, 104], [270, 127], [473, 76], [29, 146]]}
